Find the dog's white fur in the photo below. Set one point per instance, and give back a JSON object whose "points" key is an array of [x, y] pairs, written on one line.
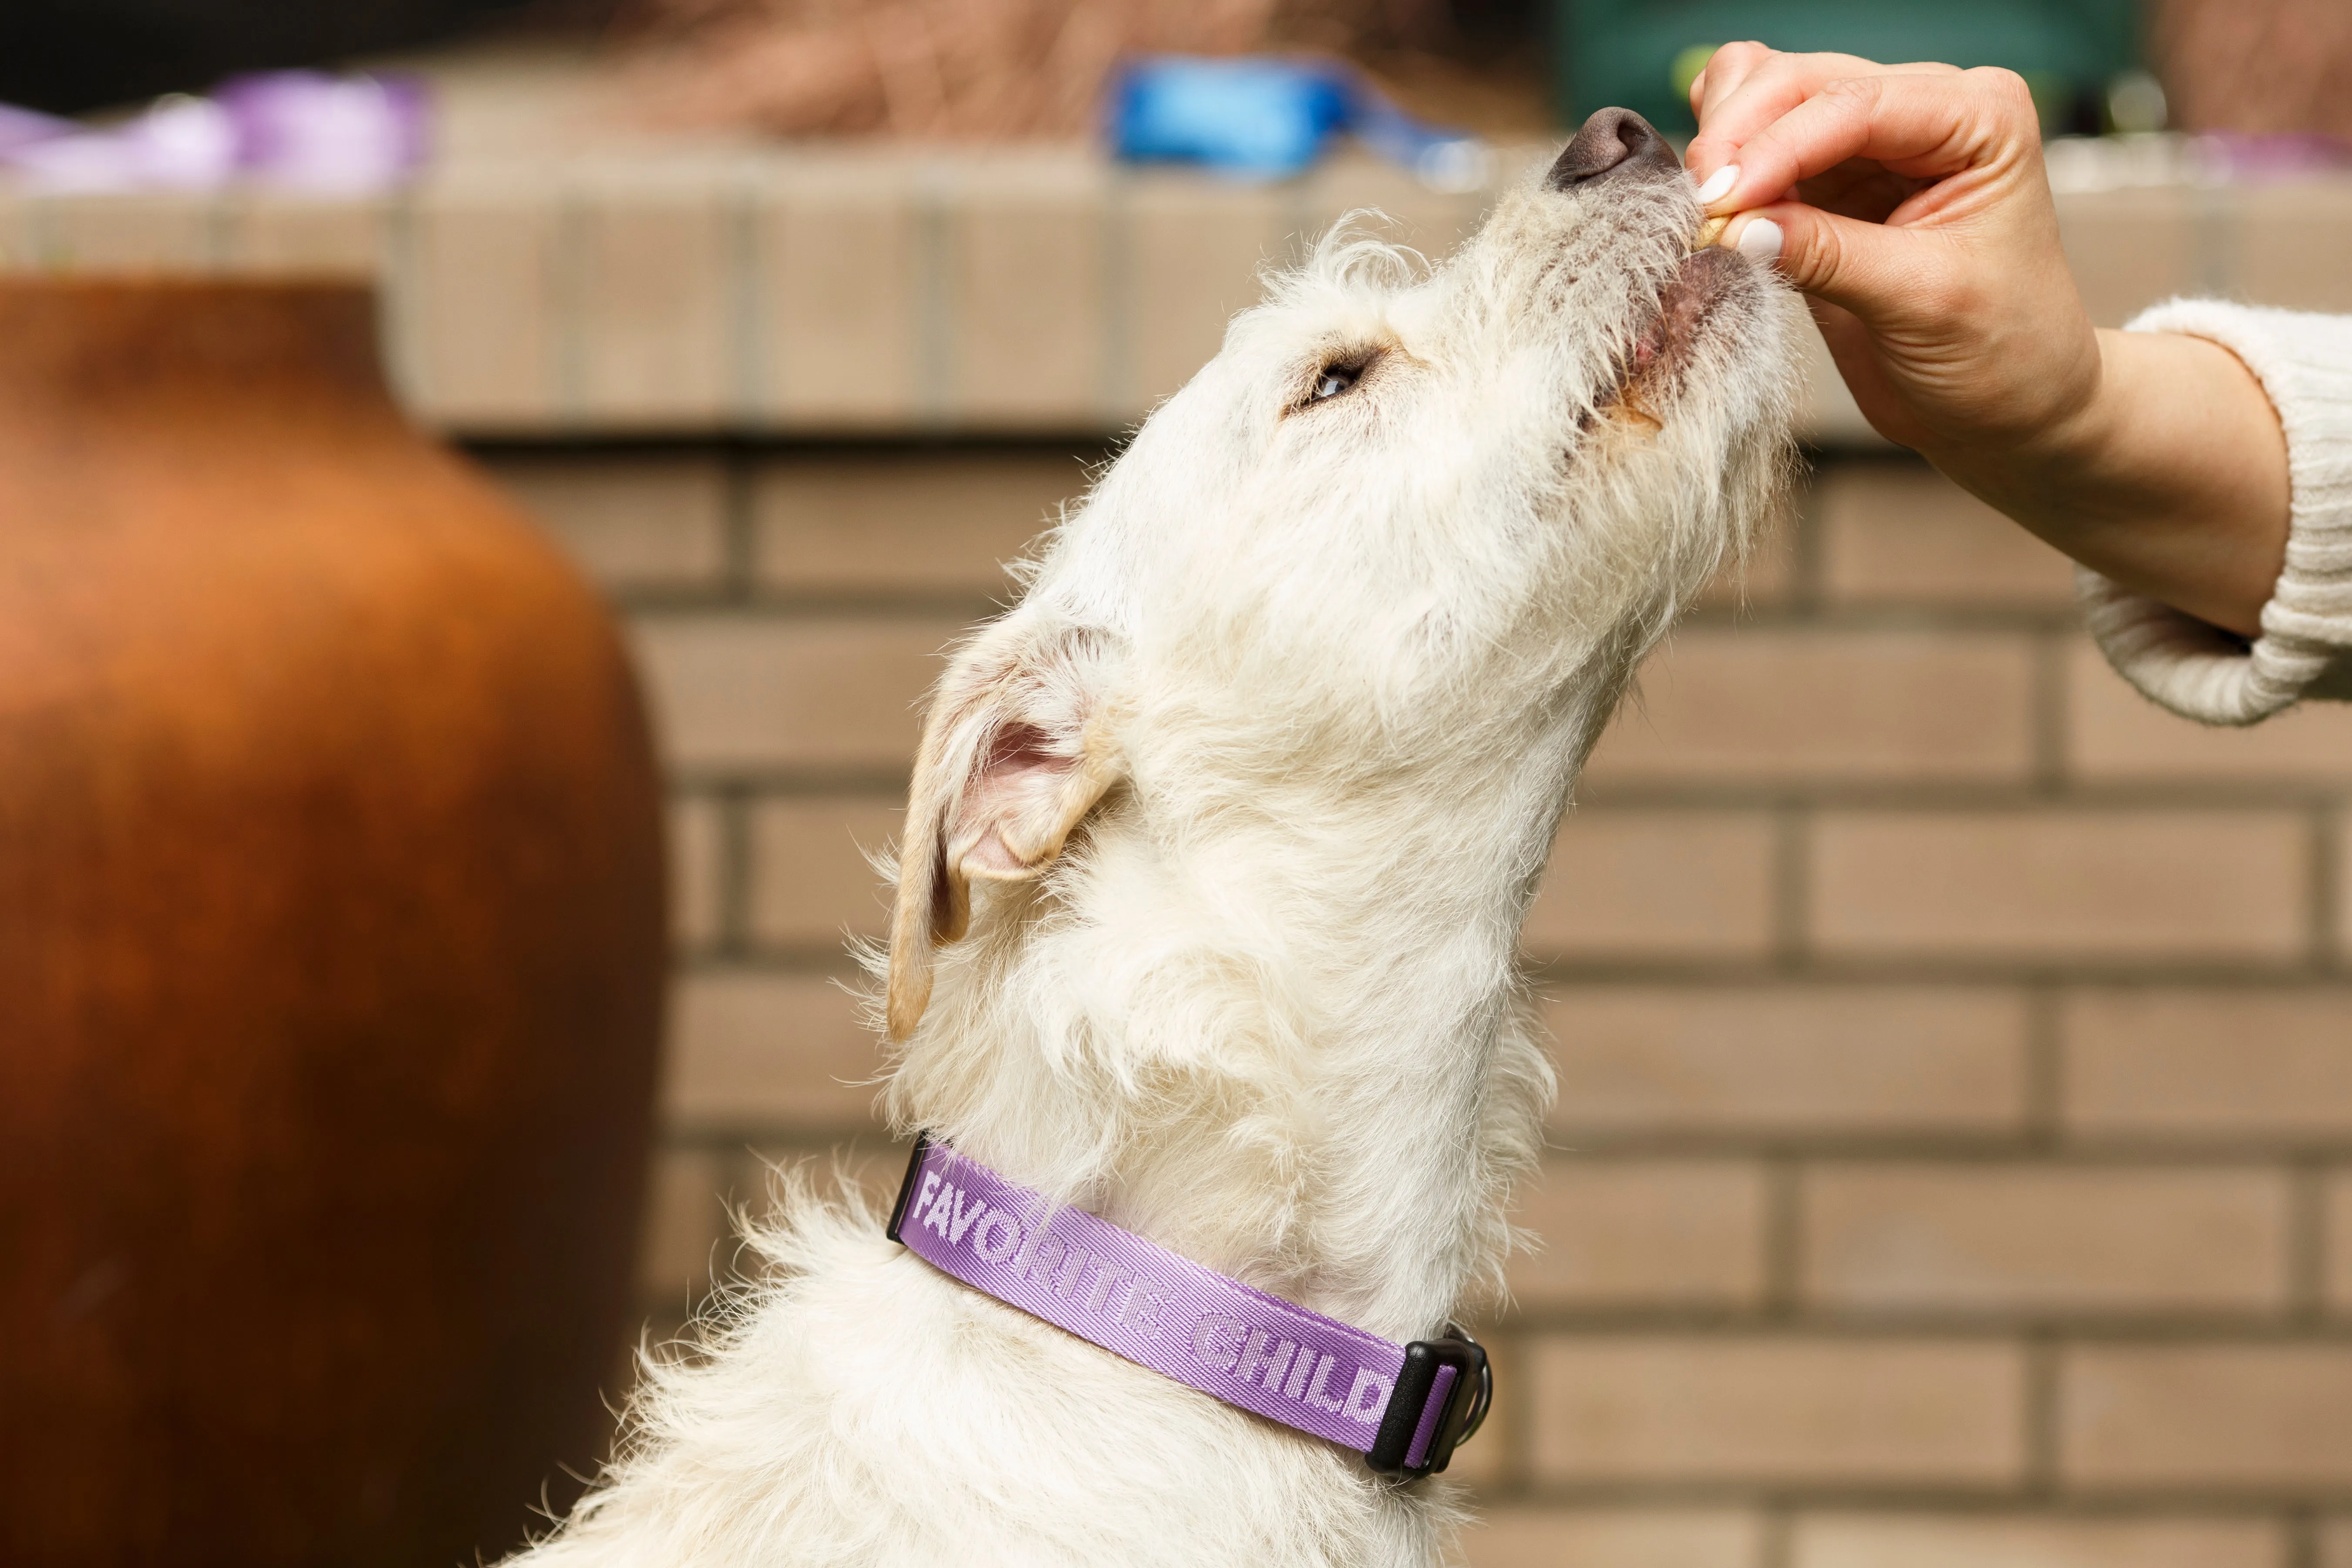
{"points": [[1242, 804]]}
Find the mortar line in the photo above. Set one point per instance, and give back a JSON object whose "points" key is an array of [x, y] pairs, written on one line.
{"points": [[1115, 392], [44, 240], [936, 398], [399, 305], [1791, 885], [2307, 1258], [2326, 890], [1784, 1238], [2044, 1085], [2301, 1524], [1775, 1544], [215, 226], [733, 939], [2216, 224], [1517, 1418], [567, 290], [2042, 1415], [1807, 591], [748, 352], [740, 541], [2050, 717]]}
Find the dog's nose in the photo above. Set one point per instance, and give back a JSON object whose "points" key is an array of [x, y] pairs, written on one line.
{"points": [[1616, 142]]}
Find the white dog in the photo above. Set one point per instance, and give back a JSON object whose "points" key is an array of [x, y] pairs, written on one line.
{"points": [[1216, 853]]}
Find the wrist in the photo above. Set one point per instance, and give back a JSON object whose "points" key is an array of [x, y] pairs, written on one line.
{"points": [[2168, 475], [2050, 470]]}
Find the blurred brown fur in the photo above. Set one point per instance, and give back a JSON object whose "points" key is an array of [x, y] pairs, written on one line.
{"points": [[966, 70], [2256, 65]]}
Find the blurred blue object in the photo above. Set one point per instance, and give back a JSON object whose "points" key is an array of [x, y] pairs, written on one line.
{"points": [[1264, 116]]}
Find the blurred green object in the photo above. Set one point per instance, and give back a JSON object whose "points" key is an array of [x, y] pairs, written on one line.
{"points": [[1641, 55]]}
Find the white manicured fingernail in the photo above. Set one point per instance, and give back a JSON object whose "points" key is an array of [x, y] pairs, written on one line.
{"points": [[1718, 185], [1760, 241]]}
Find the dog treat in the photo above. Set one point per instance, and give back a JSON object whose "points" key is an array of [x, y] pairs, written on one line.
{"points": [[1709, 232]]}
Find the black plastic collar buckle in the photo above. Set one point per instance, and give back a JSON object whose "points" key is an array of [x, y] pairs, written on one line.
{"points": [[1465, 1403], [907, 1185]]}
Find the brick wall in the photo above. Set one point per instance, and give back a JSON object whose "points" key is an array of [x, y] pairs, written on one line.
{"points": [[1953, 1159]]}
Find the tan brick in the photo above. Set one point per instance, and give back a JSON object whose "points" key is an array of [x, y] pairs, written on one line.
{"points": [[838, 301], [473, 324], [753, 1050], [767, 1173], [1857, 1413], [1753, 705], [1409, 213], [2335, 1241], [2261, 1417], [2115, 733], [1827, 413], [150, 231], [1524, 1537], [2209, 1063], [2283, 252], [697, 849], [2036, 886], [745, 691], [628, 520], [653, 335], [874, 525], [2043, 1238], [774, 1172], [1914, 1541], [2130, 248], [1193, 249], [1653, 884], [2335, 1543], [1026, 277], [1899, 532], [274, 232], [1484, 1464], [1827, 1059], [811, 883], [686, 1217], [1620, 1232]]}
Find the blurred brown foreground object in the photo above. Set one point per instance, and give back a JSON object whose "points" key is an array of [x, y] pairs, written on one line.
{"points": [[331, 953], [2257, 65]]}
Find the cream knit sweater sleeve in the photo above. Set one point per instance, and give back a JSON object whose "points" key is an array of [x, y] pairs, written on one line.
{"points": [[2305, 363]]}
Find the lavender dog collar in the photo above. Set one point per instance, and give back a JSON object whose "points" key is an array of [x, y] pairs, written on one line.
{"points": [[1403, 1407]]}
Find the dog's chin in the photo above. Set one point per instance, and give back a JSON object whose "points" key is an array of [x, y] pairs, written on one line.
{"points": [[1707, 284]]}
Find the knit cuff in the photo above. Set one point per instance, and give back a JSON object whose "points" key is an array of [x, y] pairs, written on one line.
{"points": [[2304, 365]]}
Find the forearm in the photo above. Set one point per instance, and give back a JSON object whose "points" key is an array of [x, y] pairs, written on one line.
{"points": [[2171, 479]]}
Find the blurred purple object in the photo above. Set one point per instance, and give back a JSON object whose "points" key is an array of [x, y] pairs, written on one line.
{"points": [[23, 127], [345, 136], [2245, 158], [320, 132], [179, 143]]}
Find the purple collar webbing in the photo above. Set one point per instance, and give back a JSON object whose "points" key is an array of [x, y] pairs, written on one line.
{"points": [[1402, 1406]]}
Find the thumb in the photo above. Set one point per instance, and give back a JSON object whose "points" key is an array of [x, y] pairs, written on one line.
{"points": [[1876, 272]]}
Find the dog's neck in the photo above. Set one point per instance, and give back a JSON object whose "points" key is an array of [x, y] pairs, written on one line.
{"points": [[1305, 1064]]}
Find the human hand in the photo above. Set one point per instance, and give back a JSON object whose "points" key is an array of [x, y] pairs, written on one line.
{"points": [[1921, 228], [1911, 205]]}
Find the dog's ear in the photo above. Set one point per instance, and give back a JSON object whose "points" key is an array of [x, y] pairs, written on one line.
{"points": [[1014, 756]]}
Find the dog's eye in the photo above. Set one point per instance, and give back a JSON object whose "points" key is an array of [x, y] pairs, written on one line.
{"points": [[1335, 380]]}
